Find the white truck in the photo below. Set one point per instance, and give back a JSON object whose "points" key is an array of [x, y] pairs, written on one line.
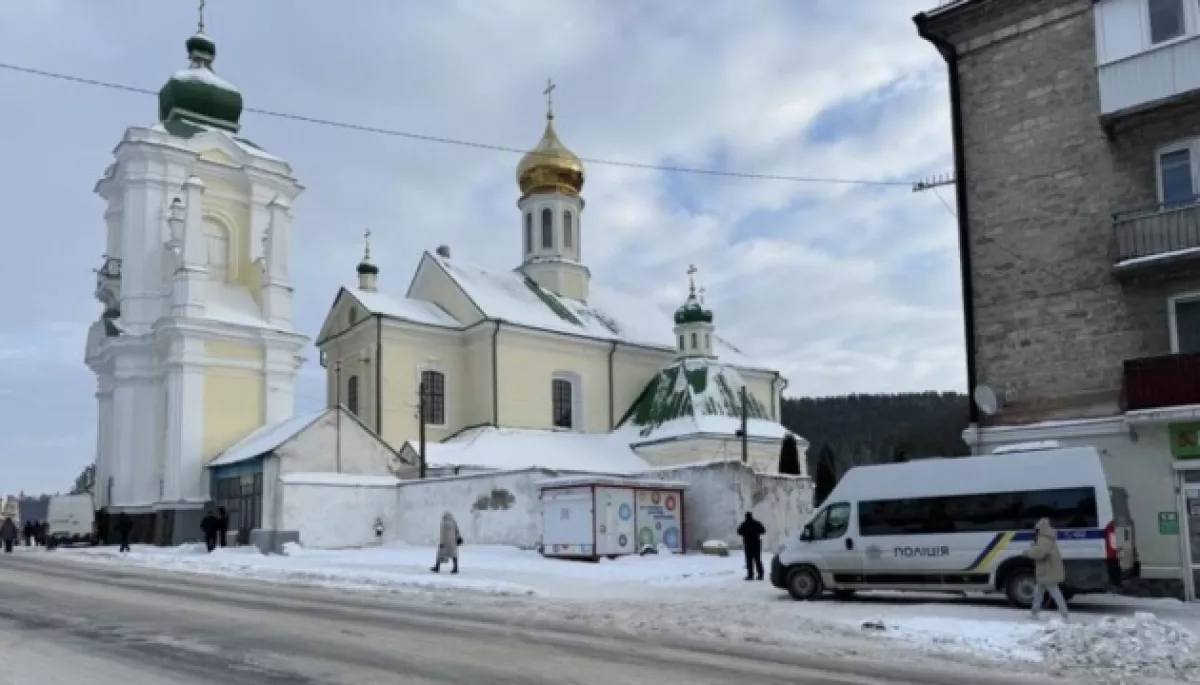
{"points": [[72, 520]]}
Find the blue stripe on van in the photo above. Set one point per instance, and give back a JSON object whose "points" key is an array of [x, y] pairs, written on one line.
{"points": [[1070, 534]]}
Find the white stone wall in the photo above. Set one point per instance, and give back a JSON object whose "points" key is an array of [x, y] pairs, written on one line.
{"points": [[332, 515], [315, 450], [491, 509], [720, 494]]}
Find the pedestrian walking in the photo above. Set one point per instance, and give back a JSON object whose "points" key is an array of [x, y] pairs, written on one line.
{"points": [[222, 525], [27, 533], [449, 541], [9, 534], [124, 530], [1049, 570], [209, 525], [752, 532]]}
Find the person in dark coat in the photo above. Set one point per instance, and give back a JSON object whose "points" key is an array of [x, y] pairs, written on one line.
{"points": [[43, 532], [9, 534], [102, 526], [752, 532], [209, 525], [222, 525], [124, 530], [27, 533]]}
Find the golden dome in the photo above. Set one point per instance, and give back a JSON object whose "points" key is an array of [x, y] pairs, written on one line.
{"points": [[550, 167]]}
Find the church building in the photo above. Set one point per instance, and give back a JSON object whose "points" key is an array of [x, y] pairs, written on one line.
{"points": [[505, 357]]}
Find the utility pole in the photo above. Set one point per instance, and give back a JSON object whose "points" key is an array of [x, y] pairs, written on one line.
{"points": [[742, 432], [421, 426], [337, 431]]}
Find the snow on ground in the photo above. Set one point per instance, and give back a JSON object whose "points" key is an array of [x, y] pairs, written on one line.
{"points": [[1109, 639]]}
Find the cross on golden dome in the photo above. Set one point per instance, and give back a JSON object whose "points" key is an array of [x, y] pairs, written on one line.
{"points": [[550, 167]]}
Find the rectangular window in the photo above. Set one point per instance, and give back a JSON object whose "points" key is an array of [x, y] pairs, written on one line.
{"points": [[1166, 20], [981, 513], [1175, 177], [434, 383], [562, 401], [547, 229], [1187, 326], [352, 395]]}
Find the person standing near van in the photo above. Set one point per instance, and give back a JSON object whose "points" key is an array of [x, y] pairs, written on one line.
{"points": [[1048, 567], [9, 534], [751, 532]]}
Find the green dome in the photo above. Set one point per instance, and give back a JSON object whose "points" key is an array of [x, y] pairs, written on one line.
{"points": [[693, 312], [365, 268], [198, 95]]}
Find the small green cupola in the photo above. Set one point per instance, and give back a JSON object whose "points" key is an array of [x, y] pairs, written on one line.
{"points": [[368, 273], [694, 323], [196, 94]]}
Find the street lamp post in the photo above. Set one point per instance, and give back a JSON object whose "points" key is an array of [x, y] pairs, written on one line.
{"points": [[421, 426]]}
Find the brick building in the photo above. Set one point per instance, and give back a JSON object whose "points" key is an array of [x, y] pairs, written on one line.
{"points": [[1077, 150]]}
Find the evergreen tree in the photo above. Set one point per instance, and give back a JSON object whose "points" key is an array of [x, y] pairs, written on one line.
{"points": [[789, 456], [826, 475]]}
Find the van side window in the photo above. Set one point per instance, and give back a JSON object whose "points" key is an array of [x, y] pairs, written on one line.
{"points": [[832, 523], [980, 513]]}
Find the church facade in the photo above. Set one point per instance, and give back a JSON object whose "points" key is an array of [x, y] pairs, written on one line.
{"points": [[540, 348], [194, 348]]}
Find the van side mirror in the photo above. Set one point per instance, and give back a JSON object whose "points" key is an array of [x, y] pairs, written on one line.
{"points": [[807, 533]]}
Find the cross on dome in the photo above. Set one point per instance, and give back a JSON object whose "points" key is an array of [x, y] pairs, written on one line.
{"points": [[367, 250], [549, 93], [200, 23]]}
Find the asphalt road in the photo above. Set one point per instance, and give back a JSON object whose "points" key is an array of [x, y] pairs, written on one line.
{"points": [[64, 623]]}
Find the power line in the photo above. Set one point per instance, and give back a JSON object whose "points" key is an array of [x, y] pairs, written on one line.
{"points": [[363, 128]]}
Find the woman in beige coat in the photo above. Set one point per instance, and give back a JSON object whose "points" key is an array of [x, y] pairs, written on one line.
{"points": [[448, 543], [1048, 567]]}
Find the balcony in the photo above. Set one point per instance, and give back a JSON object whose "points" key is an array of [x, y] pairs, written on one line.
{"points": [[1137, 73], [1172, 380], [108, 283], [1159, 239]]}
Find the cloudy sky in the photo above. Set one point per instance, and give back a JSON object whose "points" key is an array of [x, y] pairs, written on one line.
{"points": [[844, 288]]}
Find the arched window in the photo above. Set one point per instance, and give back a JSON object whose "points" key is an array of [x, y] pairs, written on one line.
{"points": [[568, 240], [216, 242], [528, 232], [352, 317], [352, 395], [547, 229], [434, 383], [562, 396], [694, 343]]}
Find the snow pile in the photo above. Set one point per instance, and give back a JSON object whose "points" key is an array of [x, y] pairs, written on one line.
{"points": [[1126, 649]]}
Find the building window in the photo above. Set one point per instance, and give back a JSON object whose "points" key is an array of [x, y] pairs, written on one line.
{"points": [[352, 395], [352, 317], [681, 347], [694, 341], [547, 229], [568, 241], [434, 383], [528, 232], [1175, 177], [216, 243], [563, 397], [1166, 20], [1185, 320], [707, 342]]}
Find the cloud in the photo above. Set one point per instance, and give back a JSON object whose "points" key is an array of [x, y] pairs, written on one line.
{"points": [[844, 288]]}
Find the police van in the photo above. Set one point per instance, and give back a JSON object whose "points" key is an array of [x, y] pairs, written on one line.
{"points": [[961, 525]]}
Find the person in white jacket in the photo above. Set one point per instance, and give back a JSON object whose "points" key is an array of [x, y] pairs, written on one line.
{"points": [[448, 543]]}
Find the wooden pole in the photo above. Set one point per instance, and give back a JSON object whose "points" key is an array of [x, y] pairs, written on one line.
{"points": [[745, 420], [337, 431], [421, 429]]}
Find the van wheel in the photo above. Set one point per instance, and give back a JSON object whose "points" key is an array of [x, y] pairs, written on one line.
{"points": [[804, 583], [1019, 586]]}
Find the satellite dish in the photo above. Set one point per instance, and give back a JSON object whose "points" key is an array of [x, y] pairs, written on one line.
{"points": [[986, 400]]}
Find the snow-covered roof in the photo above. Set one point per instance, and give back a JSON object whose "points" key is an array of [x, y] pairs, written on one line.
{"points": [[607, 315], [513, 449], [267, 438], [696, 397], [407, 308], [205, 76]]}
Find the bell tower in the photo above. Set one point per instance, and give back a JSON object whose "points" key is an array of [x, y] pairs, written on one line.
{"points": [[550, 178], [194, 347]]}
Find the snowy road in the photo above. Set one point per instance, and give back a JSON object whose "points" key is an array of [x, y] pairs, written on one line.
{"points": [[68, 623]]}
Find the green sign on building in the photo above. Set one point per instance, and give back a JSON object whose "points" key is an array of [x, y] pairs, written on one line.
{"points": [[1185, 439], [1168, 523]]}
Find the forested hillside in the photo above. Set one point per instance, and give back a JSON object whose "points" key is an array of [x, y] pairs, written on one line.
{"points": [[869, 429]]}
